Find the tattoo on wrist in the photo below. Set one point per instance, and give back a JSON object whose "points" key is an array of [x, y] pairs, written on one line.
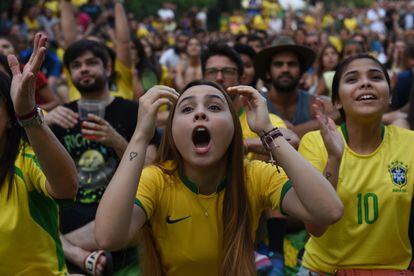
{"points": [[132, 155], [328, 175]]}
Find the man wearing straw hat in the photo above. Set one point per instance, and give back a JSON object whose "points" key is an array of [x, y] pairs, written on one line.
{"points": [[282, 66]]}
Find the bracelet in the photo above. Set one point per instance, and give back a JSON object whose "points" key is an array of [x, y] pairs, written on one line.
{"points": [[29, 115], [267, 139]]}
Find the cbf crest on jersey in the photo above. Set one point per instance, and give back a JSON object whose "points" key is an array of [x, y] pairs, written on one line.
{"points": [[398, 171]]}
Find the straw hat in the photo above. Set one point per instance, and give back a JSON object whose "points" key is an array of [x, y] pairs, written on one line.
{"points": [[262, 60]]}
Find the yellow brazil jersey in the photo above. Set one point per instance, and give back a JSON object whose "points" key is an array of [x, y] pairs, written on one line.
{"points": [[29, 234], [187, 226], [122, 86], [376, 191]]}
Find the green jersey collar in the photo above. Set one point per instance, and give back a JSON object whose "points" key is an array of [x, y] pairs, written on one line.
{"points": [[345, 132], [194, 188]]}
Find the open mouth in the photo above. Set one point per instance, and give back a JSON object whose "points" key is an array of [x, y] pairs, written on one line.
{"points": [[366, 97], [201, 137]]}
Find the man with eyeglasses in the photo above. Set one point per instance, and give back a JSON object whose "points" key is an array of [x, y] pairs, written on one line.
{"points": [[312, 41]]}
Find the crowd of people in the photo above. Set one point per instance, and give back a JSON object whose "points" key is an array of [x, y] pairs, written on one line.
{"points": [[267, 141]]}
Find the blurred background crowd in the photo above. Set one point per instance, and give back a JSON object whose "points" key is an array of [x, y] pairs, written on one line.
{"points": [[166, 45]]}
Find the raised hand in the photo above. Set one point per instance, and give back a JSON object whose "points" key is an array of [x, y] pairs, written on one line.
{"points": [[22, 89], [149, 104], [331, 137], [256, 108]]}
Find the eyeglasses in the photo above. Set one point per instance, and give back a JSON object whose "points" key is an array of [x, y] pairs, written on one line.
{"points": [[226, 71]]}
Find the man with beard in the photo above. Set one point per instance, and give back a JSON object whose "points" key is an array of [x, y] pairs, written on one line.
{"points": [[282, 66], [96, 145]]}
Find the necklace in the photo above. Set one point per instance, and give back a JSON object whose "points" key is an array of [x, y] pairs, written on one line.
{"points": [[205, 209]]}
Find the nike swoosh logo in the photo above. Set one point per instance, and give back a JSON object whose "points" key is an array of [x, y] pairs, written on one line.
{"points": [[172, 221]]}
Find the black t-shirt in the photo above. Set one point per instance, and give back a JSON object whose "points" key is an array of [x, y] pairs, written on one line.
{"points": [[95, 162]]}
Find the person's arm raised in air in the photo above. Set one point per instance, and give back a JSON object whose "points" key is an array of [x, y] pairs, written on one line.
{"points": [[122, 36], [54, 160], [68, 23], [334, 145], [118, 219], [312, 199]]}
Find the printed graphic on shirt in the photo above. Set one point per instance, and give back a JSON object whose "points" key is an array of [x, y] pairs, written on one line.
{"points": [[95, 164]]}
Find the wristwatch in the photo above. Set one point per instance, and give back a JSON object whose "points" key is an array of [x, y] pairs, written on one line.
{"points": [[34, 118]]}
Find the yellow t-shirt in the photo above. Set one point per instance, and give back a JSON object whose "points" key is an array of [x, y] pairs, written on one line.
{"points": [[259, 23], [29, 235], [377, 191], [189, 241], [270, 8], [336, 42], [79, 3], [351, 24], [122, 86], [32, 24], [53, 6], [310, 21], [328, 20]]}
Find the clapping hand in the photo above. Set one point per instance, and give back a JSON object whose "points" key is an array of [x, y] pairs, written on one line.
{"points": [[331, 137]]}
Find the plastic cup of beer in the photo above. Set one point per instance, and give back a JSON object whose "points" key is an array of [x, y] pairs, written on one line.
{"points": [[86, 107]]}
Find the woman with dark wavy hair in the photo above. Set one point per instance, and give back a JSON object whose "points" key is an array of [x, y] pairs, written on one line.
{"points": [[199, 207], [370, 166]]}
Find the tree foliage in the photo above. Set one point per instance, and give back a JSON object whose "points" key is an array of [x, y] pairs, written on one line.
{"points": [[335, 4]]}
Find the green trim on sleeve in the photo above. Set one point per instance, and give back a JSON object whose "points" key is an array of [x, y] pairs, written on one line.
{"points": [[138, 203], [285, 189], [19, 173], [44, 211], [33, 157]]}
